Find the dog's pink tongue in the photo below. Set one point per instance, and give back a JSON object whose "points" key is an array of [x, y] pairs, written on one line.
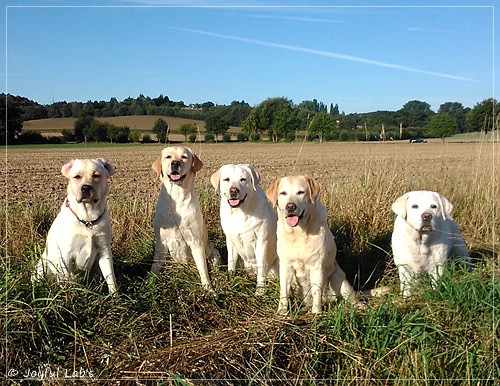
{"points": [[234, 202], [175, 177], [292, 220]]}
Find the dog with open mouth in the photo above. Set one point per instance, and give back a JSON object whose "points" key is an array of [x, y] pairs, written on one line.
{"points": [[425, 235], [81, 233], [179, 227], [248, 221], [305, 245]]}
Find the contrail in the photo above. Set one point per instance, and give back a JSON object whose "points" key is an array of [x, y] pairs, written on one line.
{"points": [[326, 54]]}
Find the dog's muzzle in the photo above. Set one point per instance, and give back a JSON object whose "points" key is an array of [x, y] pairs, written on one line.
{"points": [[86, 193], [292, 218], [234, 200], [426, 222], [175, 176]]}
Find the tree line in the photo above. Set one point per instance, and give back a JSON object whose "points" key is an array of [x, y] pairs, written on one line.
{"points": [[276, 118]]}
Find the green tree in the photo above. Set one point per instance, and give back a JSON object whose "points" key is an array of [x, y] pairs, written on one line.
{"points": [[481, 117], [278, 116], [187, 129], [118, 134], [442, 125], [456, 111], [250, 125], [160, 128], [98, 131], [82, 126], [216, 122], [322, 124], [415, 114], [11, 123]]}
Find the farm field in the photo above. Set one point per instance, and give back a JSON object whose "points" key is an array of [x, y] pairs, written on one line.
{"points": [[136, 122], [166, 328]]}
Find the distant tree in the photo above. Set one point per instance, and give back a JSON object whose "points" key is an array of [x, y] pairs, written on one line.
{"points": [[415, 114], [98, 131], [481, 117], [82, 126], [322, 124], [118, 134], [241, 137], [456, 111], [187, 129], [237, 112], [442, 126], [134, 136], [334, 110], [250, 124], [278, 116], [350, 121], [10, 124], [216, 123], [207, 105], [192, 138], [160, 128]]}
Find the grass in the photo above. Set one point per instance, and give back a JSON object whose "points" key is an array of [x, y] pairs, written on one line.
{"points": [[165, 330]]}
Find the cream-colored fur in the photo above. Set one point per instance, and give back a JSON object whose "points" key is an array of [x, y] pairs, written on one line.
{"points": [[306, 246], [178, 223], [248, 221], [424, 237], [81, 232]]}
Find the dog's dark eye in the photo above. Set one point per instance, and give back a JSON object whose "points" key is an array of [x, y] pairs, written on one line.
{"points": [[243, 179], [282, 193], [168, 157], [226, 179], [300, 192], [184, 156], [96, 175], [77, 177], [434, 206], [414, 206]]}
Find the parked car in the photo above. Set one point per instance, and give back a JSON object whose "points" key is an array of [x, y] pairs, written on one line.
{"points": [[418, 140]]}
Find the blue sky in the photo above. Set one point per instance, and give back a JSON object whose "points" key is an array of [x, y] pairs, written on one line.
{"points": [[364, 56]]}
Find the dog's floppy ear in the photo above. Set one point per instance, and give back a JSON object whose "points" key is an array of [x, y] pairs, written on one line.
{"points": [[156, 165], [110, 168], [272, 192], [197, 163], [314, 189], [215, 179], [256, 178], [399, 206], [66, 168], [446, 206]]}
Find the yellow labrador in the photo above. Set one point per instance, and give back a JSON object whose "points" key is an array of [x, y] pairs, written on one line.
{"points": [[81, 232], [306, 246], [178, 223], [248, 221], [424, 237]]}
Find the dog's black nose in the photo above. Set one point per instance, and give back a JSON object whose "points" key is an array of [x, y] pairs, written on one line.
{"points": [[234, 192], [175, 165], [291, 207], [86, 190], [426, 217]]}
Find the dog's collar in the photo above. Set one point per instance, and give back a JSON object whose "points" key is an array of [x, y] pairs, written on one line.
{"points": [[88, 224]]}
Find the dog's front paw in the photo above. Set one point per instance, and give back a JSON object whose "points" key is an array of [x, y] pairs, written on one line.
{"points": [[260, 290], [282, 311]]}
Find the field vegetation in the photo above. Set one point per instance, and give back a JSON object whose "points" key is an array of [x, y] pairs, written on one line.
{"points": [[165, 330]]}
